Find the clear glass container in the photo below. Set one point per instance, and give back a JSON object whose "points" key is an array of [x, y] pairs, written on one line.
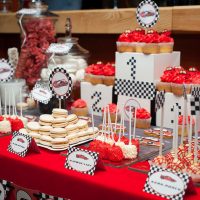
{"points": [[37, 33]]}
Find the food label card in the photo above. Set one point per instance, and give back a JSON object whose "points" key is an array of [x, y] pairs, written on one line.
{"points": [[80, 160], [21, 143], [166, 183], [6, 70]]}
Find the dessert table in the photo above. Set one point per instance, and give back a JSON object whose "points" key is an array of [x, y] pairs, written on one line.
{"points": [[45, 172]]}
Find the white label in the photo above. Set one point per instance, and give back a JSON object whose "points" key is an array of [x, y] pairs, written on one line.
{"points": [[21, 195], [147, 14], [19, 144], [60, 83], [2, 192], [5, 70], [81, 161], [41, 94], [59, 48], [166, 183], [27, 11]]}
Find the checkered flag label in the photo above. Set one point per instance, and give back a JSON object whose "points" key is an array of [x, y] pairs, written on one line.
{"points": [[195, 91], [60, 83], [166, 183], [81, 160], [160, 100], [4, 189], [195, 105], [41, 93], [20, 144], [6, 70], [43, 196], [97, 96], [147, 13]]}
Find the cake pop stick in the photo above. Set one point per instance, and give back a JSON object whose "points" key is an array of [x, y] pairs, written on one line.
{"points": [[190, 137], [135, 120], [14, 105], [9, 103], [176, 132], [161, 132], [123, 123], [184, 118], [20, 91], [110, 124], [0, 107], [13, 109], [120, 128], [92, 120], [196, 139], [130, 118], [59, 100], [103, 125], [116, 118], [5, 110]]}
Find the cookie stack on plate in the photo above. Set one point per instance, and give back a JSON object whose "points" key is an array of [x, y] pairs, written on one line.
{"points": [[58, 130]]}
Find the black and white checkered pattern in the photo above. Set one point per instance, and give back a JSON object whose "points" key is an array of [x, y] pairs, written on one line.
{"points": [[132, 63], [95, 156], [37, 85], [154, 169], [179, 113], [195, 91], [11, 70], [43, 196], [70, 84], [6, 186], [136, 89], [138, 13], [98, 99], [22, 154], [195, 105], [160, 100]]}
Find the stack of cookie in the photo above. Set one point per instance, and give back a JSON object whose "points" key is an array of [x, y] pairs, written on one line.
{"points": [[60, 129]]}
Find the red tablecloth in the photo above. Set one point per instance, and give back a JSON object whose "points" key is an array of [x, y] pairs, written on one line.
{"points": [[45, 172]]}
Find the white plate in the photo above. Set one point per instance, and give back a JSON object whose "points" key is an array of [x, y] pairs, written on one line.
{"points": [[65, 148]]}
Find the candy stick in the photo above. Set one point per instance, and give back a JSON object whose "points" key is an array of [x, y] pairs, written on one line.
{"points": [[161, 132], [105, 120], [15, 110], [110, 124], [196, 139], [120, 129], [20, 90], [184, 120], [5, 110], [103, 124], [123, 123], [92, 120], [176, 132], [59, 100], [9, 103], [190, 137], [130, 118], [116, 118], [135, 118], [0, 107]]}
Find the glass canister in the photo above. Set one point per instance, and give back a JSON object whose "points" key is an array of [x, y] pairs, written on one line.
{"points": [[75, 61], [37, 33]]}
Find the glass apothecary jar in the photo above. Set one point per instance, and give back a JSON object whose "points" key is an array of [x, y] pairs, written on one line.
{"points": [[37, 33]]}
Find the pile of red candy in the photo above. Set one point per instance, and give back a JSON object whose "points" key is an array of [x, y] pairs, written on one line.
{"points": [[39, 34]]}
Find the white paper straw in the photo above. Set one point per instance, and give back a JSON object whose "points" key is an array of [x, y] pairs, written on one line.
{"points": [[196, 139], [116, 118], [130, 118], [135, 120], [161, 132]]}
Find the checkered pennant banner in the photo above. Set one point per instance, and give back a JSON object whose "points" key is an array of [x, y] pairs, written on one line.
{"points": [[13, 146], [136, 89], [195, 91], [142, 13], [43, 196], [60, 83], [6, 70], [149, 189], [160, 100], [98, 99], [94, 156], [4, 189], [195, 105]]}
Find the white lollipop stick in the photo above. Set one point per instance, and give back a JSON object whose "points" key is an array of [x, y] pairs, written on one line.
{"points": [[161, 132], [135, 120], [183, 121], [176, 132], [110, 124], [116, 119], [20, 101], [130, 118], [120, 129], [196, 139], [59, 100], [14, 105], [103, 124], [9, 103], [5, 110], [13, 108], [190, 137], [92, 120], [123, 123]]}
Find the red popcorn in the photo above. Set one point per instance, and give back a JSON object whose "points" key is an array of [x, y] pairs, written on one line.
{"points": [[39, 35]]}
